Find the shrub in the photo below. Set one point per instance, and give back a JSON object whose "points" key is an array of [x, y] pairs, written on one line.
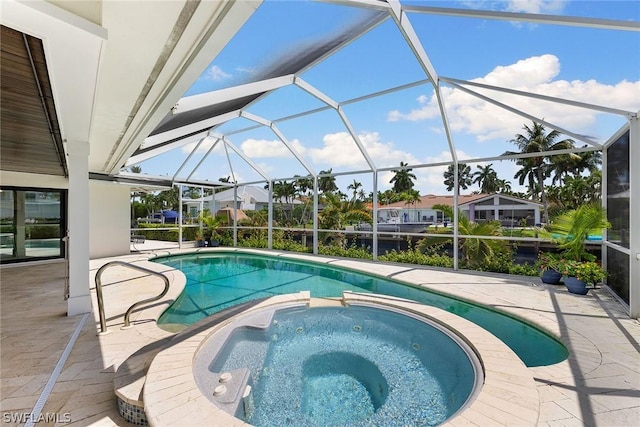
{"points": [[348, 252], [523, 270], [417, 257]]}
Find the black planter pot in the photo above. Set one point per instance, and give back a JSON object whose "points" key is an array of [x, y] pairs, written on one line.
{"points": [[576, 286], [551, 277]]}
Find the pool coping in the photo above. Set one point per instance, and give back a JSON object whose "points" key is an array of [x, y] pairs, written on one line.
{"points": [[508, 394]]}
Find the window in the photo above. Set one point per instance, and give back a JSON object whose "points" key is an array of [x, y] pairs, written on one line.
{"points": [[32, 224]]}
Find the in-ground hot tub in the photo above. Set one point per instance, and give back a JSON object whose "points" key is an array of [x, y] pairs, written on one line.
{"points": [[212, 373], [337, 365]]}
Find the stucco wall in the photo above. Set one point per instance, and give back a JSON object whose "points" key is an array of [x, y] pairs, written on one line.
{"points": [[109, 219]]}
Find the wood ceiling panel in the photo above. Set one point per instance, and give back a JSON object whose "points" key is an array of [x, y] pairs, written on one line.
{"points": [[30, 139]]}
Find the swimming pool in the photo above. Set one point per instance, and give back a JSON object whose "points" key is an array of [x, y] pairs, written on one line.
{"points": [[216, 281], [350, 365]]}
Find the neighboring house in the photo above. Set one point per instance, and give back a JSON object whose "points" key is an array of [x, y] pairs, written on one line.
{"points": [[248, 198], [510, 211]]}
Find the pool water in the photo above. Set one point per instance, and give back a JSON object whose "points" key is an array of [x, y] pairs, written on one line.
{"points": [[356, 366], [221, 280]]}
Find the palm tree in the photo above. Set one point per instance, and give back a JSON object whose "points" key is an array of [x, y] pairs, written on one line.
{"points": [[337, 212], [576, 225], [504, 186], [464, 177], [327, 184], [303, 184], [135, 169], [476, 251], [535, 169], [411, 197], [486, 178], [562, 166], [388, 197], [403, 178], [589, 161], [354, 186]]}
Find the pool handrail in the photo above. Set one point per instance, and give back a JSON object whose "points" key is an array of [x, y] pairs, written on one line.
{"points": [[127, 323]]}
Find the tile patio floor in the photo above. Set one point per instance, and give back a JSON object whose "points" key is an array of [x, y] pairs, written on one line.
{"points": [[599, 385]]}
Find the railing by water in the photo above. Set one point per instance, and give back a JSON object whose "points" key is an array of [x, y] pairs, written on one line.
{"points": [[127, 323]]}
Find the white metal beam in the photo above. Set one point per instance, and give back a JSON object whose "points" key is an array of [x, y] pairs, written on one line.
{"points": [[226, 153], [541, 97], [607, 24], [280, 135], [405, 27], [315, 93], [445, 123], [528, 116], [246, 159], [201, 100], [336, 106], [164, 148], [356, 138], [368, 4], [176, 134], [195, 149], [203, 158], [343, 103]]}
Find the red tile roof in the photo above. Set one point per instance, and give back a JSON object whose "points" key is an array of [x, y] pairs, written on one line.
{"points": [[427, 201]]}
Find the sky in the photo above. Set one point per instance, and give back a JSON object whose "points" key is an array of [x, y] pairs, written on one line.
{"points": [[591, 65]]}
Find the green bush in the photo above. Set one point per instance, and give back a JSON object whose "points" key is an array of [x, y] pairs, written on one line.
{"points": [[151, 232], [257, 238], [348, 252], [417, 257], [524, 270]]}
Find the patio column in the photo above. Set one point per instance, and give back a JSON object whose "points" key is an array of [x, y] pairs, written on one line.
{"points": [[634, 218], [78, 227]]}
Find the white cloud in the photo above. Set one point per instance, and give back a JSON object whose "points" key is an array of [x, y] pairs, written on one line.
{"points": [[217, 74], [536, 74], [339, 149], [535, 6], [269, 148], [204, 147]]}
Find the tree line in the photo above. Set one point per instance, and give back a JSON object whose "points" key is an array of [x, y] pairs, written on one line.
{"points": [[575, 181]]}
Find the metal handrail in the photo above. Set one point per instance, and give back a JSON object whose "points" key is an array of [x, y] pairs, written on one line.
{"points": [[103, 323]]}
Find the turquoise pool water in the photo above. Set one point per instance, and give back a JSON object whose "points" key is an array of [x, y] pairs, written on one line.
{"points": [[218, 281], [345, 366]]}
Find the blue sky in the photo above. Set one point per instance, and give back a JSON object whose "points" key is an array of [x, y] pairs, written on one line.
{"points": [[584, 64]]}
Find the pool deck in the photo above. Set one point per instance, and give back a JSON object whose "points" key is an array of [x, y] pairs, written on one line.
{"points": [[598, 385]]}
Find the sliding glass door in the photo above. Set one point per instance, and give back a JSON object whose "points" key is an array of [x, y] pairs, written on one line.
{"points": [[32, 224]]}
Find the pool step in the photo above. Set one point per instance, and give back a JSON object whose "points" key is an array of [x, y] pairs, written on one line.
{"points": [[130, 377], [128, 382]]}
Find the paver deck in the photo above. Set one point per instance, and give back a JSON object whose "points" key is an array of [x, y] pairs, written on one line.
{"points": [[598, 385]]}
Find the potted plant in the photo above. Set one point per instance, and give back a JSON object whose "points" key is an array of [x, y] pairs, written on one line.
{"points": [[590, 272], [199, 240], [548, 265], [580, 274]]}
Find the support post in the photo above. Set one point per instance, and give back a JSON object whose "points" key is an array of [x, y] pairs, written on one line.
{"points": [[180, 216], [634, 217], [456, 193], [374, 223], [78, 163], [270, 218], [315, 215]]}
